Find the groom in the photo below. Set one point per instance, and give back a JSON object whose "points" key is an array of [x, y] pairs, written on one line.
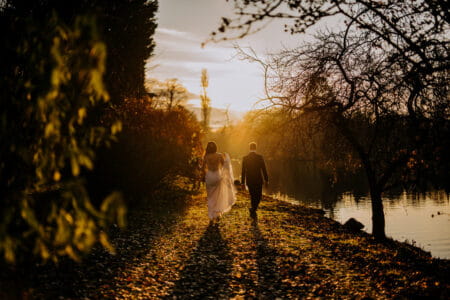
{"points": [[253, 171]]}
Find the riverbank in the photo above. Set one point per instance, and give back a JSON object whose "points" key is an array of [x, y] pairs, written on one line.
{"points": [[290, 252]]}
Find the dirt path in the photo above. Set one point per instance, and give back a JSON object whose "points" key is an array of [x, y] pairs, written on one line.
{"points": [[290, 252]]}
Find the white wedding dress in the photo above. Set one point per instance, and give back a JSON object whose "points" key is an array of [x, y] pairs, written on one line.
{"points": [[220, 189]]}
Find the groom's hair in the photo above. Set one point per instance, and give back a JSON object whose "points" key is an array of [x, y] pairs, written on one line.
{"points": [[252, 146]]}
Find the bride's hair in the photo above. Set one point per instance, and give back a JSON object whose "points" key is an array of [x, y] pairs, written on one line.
{"points": [[211, 148]]}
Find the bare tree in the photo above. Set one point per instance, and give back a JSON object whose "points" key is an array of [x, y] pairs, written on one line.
{"points": [[416, 34], [344, 80], [167, 94], [388, 67]]}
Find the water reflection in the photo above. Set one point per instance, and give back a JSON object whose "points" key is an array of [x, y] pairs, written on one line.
{"points": [[422, 219], [304, 182]]}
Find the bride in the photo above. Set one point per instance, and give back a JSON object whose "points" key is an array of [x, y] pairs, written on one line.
{"points": [[219, 180]]}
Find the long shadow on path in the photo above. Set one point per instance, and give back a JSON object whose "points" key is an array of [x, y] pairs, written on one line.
{"points": [[207, 274], [270, 285], [73, 280]]}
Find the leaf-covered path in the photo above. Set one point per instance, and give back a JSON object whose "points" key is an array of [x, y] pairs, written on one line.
{"points": [[290, 252]]}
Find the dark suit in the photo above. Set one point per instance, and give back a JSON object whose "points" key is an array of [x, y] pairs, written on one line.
{"points": [[253, 173]]}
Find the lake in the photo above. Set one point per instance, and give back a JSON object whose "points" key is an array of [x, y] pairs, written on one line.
{"points": [[421, 219]]}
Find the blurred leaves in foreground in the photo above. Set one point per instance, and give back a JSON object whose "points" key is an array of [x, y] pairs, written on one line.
{"points": [[51, 82]]}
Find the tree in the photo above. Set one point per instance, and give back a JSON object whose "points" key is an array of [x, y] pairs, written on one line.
{"points": [[51, 85], [205, 101], [125, 27], [128, 28], [157, 147], [63, 64], [396, 81], [415, 34], [343, 80], [169, 93]]}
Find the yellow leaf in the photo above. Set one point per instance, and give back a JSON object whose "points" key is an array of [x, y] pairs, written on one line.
{"points": [[105, 242], [75, 166], [85, 161], [56, 176], [8, 248], [69, 251], [63, 232], [49, 130], [43, 250], [81, 115], [116, 127]]}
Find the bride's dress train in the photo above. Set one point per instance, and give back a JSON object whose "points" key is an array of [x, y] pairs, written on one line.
{"points": [[220, 189]]}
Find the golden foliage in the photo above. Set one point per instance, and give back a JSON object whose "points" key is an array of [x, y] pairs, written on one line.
{"points": [[47, 143]]}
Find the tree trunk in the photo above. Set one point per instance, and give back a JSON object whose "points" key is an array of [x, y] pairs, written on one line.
{"points": [[375, 188], [378, 223]]}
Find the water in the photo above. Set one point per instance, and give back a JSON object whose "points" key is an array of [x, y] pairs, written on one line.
{"points": [[421, 219]]}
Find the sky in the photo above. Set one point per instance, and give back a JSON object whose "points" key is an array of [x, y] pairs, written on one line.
{"points": [[184, 25]]}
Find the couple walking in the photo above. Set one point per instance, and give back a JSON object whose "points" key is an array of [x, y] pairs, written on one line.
{"points": [[220, 189]]}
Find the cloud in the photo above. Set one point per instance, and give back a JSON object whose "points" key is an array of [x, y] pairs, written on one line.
{"points": [[179, 55], [178, 46], [173, 34]]}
